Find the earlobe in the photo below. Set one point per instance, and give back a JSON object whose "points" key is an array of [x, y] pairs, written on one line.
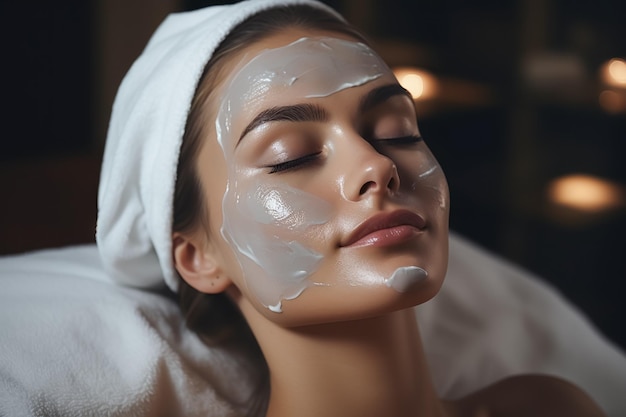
{"points": [[197, 266]]}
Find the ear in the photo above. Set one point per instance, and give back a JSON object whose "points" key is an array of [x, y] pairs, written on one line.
{"points": [[197, 265]]}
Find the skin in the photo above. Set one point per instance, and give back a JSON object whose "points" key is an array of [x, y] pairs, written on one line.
{"points": [[349, 346]]}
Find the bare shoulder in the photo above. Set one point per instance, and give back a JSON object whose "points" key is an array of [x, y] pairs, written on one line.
{"points": [[529, 395]]}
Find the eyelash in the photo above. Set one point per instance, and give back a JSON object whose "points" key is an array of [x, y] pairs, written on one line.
{"points": [[308, 159], [399, 141], [294, 163]]}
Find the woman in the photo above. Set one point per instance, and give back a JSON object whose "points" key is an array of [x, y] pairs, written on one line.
{"points": [[305, 202]]}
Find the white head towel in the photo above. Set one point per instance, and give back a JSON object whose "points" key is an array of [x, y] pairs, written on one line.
{"points": [[135, 198]]}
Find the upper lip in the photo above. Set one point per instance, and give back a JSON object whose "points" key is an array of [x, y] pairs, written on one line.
{"points": [[382, 221]]}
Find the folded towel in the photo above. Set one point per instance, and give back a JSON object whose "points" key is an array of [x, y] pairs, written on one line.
{"points": [[147, 123], [74, 344]]}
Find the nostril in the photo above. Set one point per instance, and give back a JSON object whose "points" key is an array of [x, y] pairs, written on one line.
{"points": [[366, 187], [369, 185]]}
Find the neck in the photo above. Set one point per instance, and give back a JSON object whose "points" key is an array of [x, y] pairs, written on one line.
{"points": [[366, 368]]}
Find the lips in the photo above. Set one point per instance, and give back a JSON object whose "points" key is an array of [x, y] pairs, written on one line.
{"points": [[386, 229]]}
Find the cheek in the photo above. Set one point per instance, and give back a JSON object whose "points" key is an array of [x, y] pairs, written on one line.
{"points": [[422, 177], [283, 209], [267, 226], [212, 172]]}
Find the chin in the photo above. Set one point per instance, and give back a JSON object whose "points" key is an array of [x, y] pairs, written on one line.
{"points": [[343, 302], [352, 285]]}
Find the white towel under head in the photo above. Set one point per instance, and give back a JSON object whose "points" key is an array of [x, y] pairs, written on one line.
{"points": [[135, 198]]}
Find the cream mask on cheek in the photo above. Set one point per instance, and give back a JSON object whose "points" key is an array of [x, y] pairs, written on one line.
{"points": [[265, 220], [264, 226]]}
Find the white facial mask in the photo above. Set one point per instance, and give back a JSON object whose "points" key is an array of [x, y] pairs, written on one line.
{"points": [[264, 225], [266, 221], [405, 277], [308, 67]]}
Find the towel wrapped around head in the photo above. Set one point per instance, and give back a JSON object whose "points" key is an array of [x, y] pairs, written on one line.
{"points": [[135, 198]]}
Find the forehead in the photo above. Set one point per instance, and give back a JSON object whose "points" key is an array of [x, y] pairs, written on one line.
{"points": [[282, 38], [236, 61], [308, 67], [294, 67]]}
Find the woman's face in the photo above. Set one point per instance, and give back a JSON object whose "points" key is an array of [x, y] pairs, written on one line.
{"points": [[323, 201]]}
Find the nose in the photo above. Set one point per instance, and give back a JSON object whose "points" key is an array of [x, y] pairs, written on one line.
{"points": [[371, 173]]}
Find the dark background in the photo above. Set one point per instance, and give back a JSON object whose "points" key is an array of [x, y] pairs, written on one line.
{"points": [[500, 143]]}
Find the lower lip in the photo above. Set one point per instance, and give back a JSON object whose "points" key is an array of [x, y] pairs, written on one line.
{"points": [[387, 237]]}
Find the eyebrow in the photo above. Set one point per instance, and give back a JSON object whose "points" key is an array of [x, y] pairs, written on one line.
{"points": [[382, 94], [295, 113], [307, 112]]}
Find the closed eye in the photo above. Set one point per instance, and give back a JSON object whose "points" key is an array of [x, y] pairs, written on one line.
{"points": [[294, 163], [399, 141]]}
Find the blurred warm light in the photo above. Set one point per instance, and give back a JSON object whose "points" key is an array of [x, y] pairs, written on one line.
{"points": [[585, 193], [414, 83], [420, 83], [612, 101], [614, 72]]}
